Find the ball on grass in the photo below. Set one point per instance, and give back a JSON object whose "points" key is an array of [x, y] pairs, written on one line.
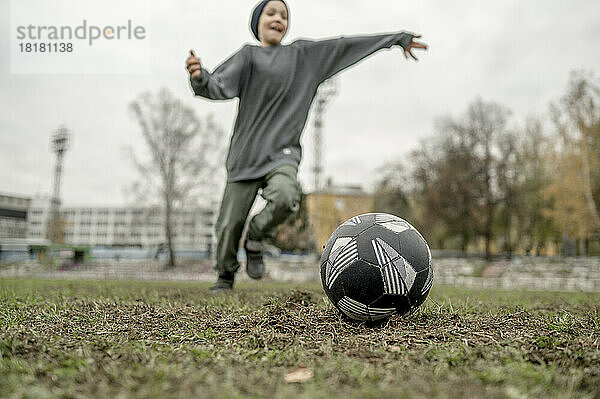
{"points": [[375, 265]]}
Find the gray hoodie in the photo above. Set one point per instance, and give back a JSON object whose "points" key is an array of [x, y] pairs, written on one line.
{"points": [[276, 86]]}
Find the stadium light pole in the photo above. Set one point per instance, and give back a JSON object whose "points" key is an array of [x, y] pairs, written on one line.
{"points": [[59, 143], [327, 90]]}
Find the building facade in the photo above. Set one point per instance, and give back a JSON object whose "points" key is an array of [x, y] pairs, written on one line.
{"points": [[141, 227], [13, 216], [331, 207]]}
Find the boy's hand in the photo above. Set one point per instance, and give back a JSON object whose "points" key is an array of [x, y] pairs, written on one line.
{"points": [[192, 64], [413, 45]]}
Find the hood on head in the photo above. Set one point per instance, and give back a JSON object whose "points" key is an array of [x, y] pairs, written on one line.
{"points": [[256, 15]]}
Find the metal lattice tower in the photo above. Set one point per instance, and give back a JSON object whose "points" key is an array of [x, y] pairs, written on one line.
{"points": [[325, 94], [59, 143]]}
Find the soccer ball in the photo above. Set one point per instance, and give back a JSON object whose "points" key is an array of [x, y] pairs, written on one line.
{"points": [[375, 265]]}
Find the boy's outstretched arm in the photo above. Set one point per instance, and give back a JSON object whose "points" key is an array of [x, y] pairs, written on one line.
{"points": [[223, 84], [331, 56]]}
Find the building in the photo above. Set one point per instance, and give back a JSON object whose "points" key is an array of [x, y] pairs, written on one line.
{"points": [[334, 205], [15, 244], [24, 223], [37, 218], [141, 227], [13, 216]]}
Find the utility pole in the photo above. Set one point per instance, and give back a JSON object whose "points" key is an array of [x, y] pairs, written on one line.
{"points": [[59, 143], [327, 90]]}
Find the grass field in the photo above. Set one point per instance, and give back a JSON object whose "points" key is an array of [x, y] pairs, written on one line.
{"points": [[134, 339]]}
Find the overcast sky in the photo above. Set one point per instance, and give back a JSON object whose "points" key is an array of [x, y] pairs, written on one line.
{"points": [[517, 53]]}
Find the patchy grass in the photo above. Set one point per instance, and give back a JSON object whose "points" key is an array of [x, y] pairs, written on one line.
{"points": [[132, 339]]}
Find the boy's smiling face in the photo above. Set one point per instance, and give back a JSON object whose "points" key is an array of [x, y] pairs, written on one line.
{"points": [[272, 24]]}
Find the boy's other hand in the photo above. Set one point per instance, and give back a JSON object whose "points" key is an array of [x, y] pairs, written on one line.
{"points": [[413, 45], [192, 64]]}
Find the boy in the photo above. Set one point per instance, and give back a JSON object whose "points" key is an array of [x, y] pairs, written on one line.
{"points": [[275, 85]]}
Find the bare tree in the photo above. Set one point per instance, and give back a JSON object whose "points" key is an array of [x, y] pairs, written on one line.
{"points": [[456, 173], [183, 154], [521, 178], [446, 173], [485, 123], [507, 176]]}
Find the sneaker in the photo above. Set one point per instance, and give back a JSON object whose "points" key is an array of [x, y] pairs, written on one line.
{"points": [[222, 284], [255, 267]]}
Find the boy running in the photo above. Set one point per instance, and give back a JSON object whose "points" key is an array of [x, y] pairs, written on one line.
{"points": [[275, 85]]}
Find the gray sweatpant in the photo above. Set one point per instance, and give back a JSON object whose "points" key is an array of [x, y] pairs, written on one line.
{"points": [[282, 192]]}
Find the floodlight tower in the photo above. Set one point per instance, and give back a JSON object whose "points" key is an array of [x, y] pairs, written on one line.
{"points": [[59, 143], [327, 90]]}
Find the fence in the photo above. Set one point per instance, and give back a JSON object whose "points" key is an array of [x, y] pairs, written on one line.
{"points": [[524, 283], [547, 274]]}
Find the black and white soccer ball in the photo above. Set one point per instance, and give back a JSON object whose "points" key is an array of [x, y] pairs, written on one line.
{"points": [[375, 265]]}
